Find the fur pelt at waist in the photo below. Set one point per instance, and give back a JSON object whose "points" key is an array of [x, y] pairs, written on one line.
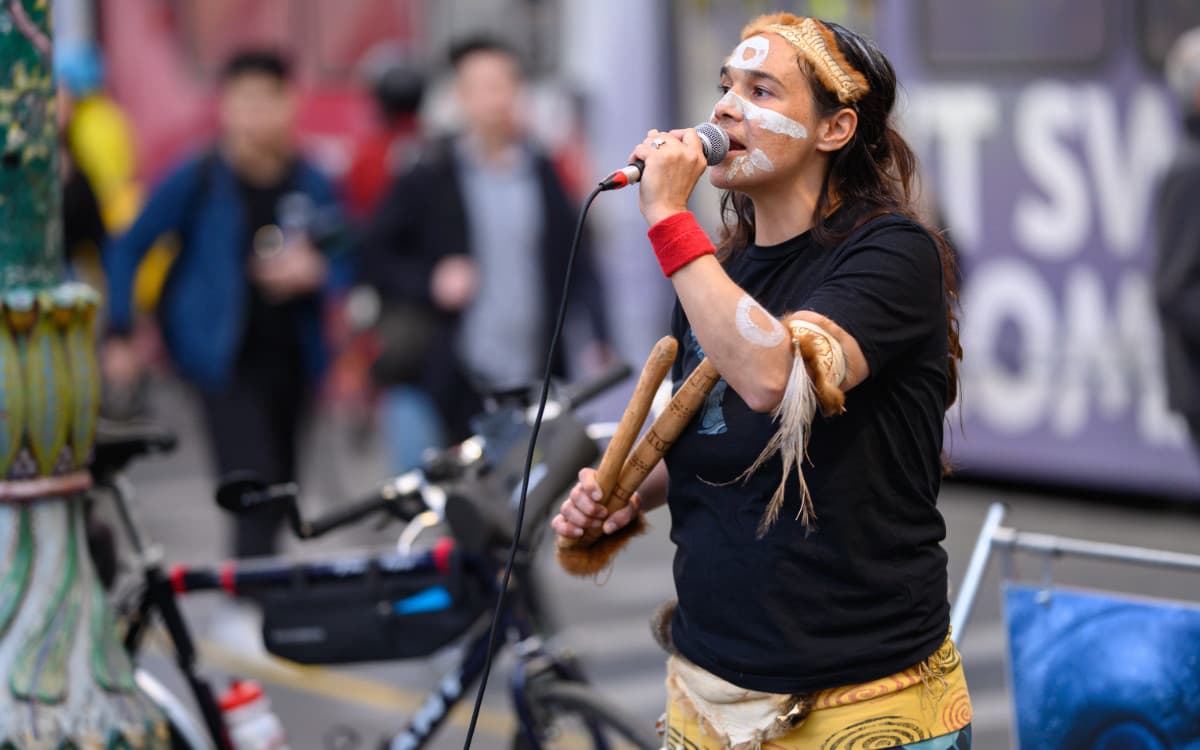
{"points": [[743, 719]]}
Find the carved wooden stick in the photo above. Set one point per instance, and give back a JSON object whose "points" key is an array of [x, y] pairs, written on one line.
{"points": [[661, 436], [658, 364], [591, 553]]}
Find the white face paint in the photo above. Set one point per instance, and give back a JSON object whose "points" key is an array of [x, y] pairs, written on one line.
{"points": [[759, 160], [750, 330], [748, 164], [750, 54], [767, 119]]}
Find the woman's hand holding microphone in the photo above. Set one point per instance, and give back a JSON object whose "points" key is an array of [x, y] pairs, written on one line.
{"points": [[674, 161]]}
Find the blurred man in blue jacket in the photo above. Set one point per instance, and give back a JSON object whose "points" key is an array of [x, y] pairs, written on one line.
{"points": [[241, 307]]}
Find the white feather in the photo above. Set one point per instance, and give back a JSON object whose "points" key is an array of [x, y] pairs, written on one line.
{"points": [[794, 413]]}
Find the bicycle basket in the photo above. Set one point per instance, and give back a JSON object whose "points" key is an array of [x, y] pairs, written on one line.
{"points": [[382, 615]]}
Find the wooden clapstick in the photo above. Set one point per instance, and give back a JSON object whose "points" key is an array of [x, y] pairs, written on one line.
{"points": [[591, 553], [658, 364], [663, 433]]}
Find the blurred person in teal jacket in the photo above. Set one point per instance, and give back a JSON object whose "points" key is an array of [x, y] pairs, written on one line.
{"points": [[241, 307]]}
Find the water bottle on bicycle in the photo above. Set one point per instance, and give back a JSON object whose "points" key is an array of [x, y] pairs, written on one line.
{"points": [[251, 723]]}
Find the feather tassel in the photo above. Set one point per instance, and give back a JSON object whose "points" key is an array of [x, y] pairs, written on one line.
{"points": [[794, 413]]}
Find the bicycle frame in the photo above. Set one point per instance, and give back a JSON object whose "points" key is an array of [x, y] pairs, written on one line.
{"points": [[451, 688], [534, 663], [159, 596], [517, 623]]}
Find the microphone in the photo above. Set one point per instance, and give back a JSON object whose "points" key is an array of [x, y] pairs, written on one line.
{"points": [[714, 140]]}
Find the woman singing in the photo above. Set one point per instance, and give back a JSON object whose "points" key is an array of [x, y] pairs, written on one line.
{"points": [[812, 589]]}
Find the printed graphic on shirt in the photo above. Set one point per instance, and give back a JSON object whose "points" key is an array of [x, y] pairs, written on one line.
{"points": [[712, 414]]}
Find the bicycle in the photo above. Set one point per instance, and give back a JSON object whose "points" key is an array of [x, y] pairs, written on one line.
{"points": [[117, 444], [409, 602]]}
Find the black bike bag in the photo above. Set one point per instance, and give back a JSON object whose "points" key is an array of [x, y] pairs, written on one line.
{"points": [[382, 609]]}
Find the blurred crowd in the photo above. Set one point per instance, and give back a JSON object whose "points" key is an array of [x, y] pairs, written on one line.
{"points": [[414, 287]]}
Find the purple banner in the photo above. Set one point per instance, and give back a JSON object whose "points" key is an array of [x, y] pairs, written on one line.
{"points": [[1045, 174]]}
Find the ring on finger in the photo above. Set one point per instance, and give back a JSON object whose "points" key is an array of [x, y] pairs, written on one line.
{"points": [[658, 142]]}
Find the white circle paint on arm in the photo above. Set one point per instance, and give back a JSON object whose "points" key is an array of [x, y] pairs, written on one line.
{"points": [[750, 330]]}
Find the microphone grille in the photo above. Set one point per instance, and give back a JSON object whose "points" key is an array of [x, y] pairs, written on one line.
{"points": [[715, 140]]}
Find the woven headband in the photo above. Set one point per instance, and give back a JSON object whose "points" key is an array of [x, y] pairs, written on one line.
{"points": [[815, 41]]}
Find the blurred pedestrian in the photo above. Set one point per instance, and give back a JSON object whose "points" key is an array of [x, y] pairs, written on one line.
{"points": [[473, 240], [368, 381], [84, 232], [397, 88], [812, 583], [1177, 220], [97, 132], [241, 310]]}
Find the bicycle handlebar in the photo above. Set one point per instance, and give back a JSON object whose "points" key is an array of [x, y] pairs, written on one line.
{"points": [[263, 575], [572, 396], [401, 496]]}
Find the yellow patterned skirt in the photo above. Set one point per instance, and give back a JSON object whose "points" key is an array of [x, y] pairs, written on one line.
{"points": [[926, 701]]}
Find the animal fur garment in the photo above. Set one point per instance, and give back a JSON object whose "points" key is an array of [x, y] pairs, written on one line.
{"points": [[742, 719], [595, 557]]}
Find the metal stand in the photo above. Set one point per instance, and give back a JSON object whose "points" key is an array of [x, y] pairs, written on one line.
{"points": [[993, 535]]}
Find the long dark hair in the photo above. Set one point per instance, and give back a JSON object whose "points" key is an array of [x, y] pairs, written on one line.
{"points": [[872, 175]]}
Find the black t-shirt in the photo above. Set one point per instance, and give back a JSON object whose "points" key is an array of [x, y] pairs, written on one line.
{"points": [[864, 594], [271, 350]]}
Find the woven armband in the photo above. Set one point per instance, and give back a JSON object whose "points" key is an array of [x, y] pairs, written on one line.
{"points": [[825, 362], [677, 241]]}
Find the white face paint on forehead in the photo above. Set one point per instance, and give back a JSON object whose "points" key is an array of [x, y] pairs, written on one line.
{"points": [[767, 119], [750, 54]]}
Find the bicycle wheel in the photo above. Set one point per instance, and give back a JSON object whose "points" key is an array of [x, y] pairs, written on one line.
{"points": [[572, 715]]}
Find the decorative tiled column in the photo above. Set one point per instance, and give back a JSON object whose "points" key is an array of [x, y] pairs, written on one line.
{"points": [[65, 682]]}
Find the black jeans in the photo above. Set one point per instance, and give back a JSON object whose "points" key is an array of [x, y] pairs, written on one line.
{"points": [[253, 425]]}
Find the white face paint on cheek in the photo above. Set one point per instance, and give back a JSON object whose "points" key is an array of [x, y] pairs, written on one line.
{"points": [[740, 164], [750, 54], [767, 119], [750, 330], [759, 160], [749, 164], [757, 117]]}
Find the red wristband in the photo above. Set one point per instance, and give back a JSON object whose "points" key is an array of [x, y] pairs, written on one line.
{"points": [[678, 240]]}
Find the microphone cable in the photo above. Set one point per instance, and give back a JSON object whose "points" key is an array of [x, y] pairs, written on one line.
{"points": [[537, 425]]}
